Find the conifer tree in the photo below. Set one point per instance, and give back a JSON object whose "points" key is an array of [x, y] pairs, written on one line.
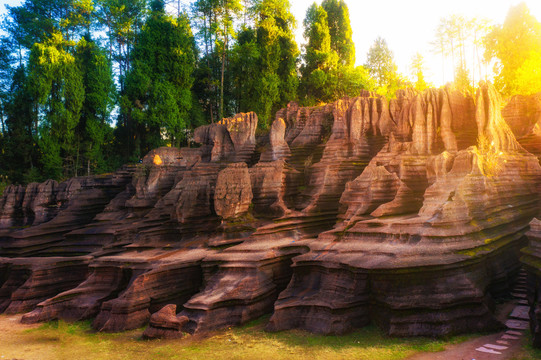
{"points": [[340, 31], [56, 84], [158, 87], [278, 57], [19, 150], [93, 131], [319, 58]]}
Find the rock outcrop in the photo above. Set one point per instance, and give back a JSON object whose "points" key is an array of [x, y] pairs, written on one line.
{"points": [[165, 324], [408, 213], [431, 230]]}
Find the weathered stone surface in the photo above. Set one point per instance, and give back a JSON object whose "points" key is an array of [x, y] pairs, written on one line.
{"points": [[241, 128], [216, 141], [279, 149], [11, 202], [408, 213], [29, 281], [165, 324], [523, 115], [423, 262], [268, 185], [233, 194]]}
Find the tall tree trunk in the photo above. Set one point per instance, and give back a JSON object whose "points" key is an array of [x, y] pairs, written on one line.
{"points": [[222, 84], [226, 37], [207, 40]]}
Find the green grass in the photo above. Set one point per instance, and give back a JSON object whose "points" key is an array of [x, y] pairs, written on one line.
{"points": [[60, 340], [527, 351]]}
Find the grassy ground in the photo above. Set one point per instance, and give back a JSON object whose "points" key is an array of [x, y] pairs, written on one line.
{"points": [[528, 352], [59, 340]]}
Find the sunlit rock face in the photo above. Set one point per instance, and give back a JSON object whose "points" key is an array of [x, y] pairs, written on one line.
{"points": [[523, 114], [429, 232], [408, 213]]}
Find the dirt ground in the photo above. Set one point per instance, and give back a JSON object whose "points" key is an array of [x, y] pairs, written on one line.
{"points": [[467, 350]]}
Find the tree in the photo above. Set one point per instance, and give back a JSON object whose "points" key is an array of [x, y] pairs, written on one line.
{"points": [[245, 70], [340, 31], [56, 84], [528, 75], [380, 63], [19, 150], [227, 9], [319, 58], [93, 131], [123, 20], [381, 66], [158, 87], [516, 44], [204, 16], [417, 70], [278, 53]]}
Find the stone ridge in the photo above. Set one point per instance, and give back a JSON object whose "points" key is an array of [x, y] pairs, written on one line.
{"points": [[408, 213]]}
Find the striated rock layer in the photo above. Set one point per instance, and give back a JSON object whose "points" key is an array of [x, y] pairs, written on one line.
{"points": [[429, 232], [408, 213]]}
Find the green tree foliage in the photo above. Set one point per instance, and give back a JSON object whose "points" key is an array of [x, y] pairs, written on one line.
{"points": [[528, 75], [417, 71], [517, 45], [18, 155], [319, 58], [245, 70], [57, 85], [278, 52], [158, 95], [380, 63], [263, 61], [340, 30], [94, 130], [204, 16], [328, 72], [319, 55], [227, 10], [122, 20], [381, 66]]}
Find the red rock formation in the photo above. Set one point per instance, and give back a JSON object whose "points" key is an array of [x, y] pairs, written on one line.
{"points": [[165, 324], [408, 213], [421, 267], [523, 115], [233, 194], [241, 128]]}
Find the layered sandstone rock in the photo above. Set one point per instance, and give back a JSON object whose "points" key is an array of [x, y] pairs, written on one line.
{"points": [[427, 237], [233, 194], [165, 324], [408, 213], [523, 115], [241, 129]]}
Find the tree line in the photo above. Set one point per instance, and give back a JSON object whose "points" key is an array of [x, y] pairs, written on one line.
{"points": [[86, 85]]}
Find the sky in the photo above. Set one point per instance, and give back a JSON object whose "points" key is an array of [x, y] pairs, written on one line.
{"points": [[407, 26]]}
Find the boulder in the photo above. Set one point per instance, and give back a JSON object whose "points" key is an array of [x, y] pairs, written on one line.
{"points": [[165, 324]]}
